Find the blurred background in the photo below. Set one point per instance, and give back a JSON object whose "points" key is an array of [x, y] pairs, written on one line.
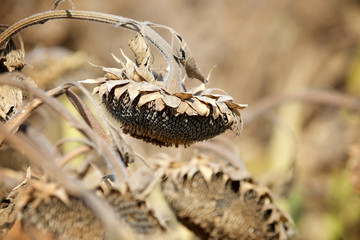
{"points": [[308, 154]]}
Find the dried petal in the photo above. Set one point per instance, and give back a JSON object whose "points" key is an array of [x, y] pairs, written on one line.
{"points": [[171, 101], [119, 91], [206, 172], [159, 105], [216, 111], [148, 87], [182, 107], [207, 100], [133, 90], [115, 71], [234, 105], [223, 98], [148, 98], [191, 111], [201, 108], [184, 95]]}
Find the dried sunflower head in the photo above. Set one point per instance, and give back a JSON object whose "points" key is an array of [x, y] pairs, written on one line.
{"points": [[147, 110], [217, 201], [150, 113], [47, 208]]}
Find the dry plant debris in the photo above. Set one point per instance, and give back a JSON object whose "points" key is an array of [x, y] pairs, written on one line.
{"points": [[47, 207], [218, 201], [213, 199]]}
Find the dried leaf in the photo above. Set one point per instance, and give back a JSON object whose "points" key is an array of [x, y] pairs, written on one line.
{"points": [[142, 54], [186, 58], [11, 100], [141, 51]]}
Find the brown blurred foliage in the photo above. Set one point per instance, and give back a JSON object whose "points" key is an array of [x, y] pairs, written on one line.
{"points": [[261, 48]]}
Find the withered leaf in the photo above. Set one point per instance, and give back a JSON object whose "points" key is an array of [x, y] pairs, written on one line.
{"points": [[186, 58], [142, 54], [141, 50], [11, 100]]}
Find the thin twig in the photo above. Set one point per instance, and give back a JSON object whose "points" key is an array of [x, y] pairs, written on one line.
{"points": [[86, 114]]}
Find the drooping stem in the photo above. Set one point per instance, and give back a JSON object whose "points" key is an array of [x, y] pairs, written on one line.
{"points": [[173, 77]]}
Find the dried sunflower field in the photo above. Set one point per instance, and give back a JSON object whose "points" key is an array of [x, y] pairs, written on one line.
{"points": [[179, 119]]}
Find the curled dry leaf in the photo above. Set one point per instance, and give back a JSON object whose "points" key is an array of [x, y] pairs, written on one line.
{"points": [[217, 201], [185, 56], [11, 58], [11, 100]]}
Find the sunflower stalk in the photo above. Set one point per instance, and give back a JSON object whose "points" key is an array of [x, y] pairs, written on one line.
{"points": [[173, 77]]}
